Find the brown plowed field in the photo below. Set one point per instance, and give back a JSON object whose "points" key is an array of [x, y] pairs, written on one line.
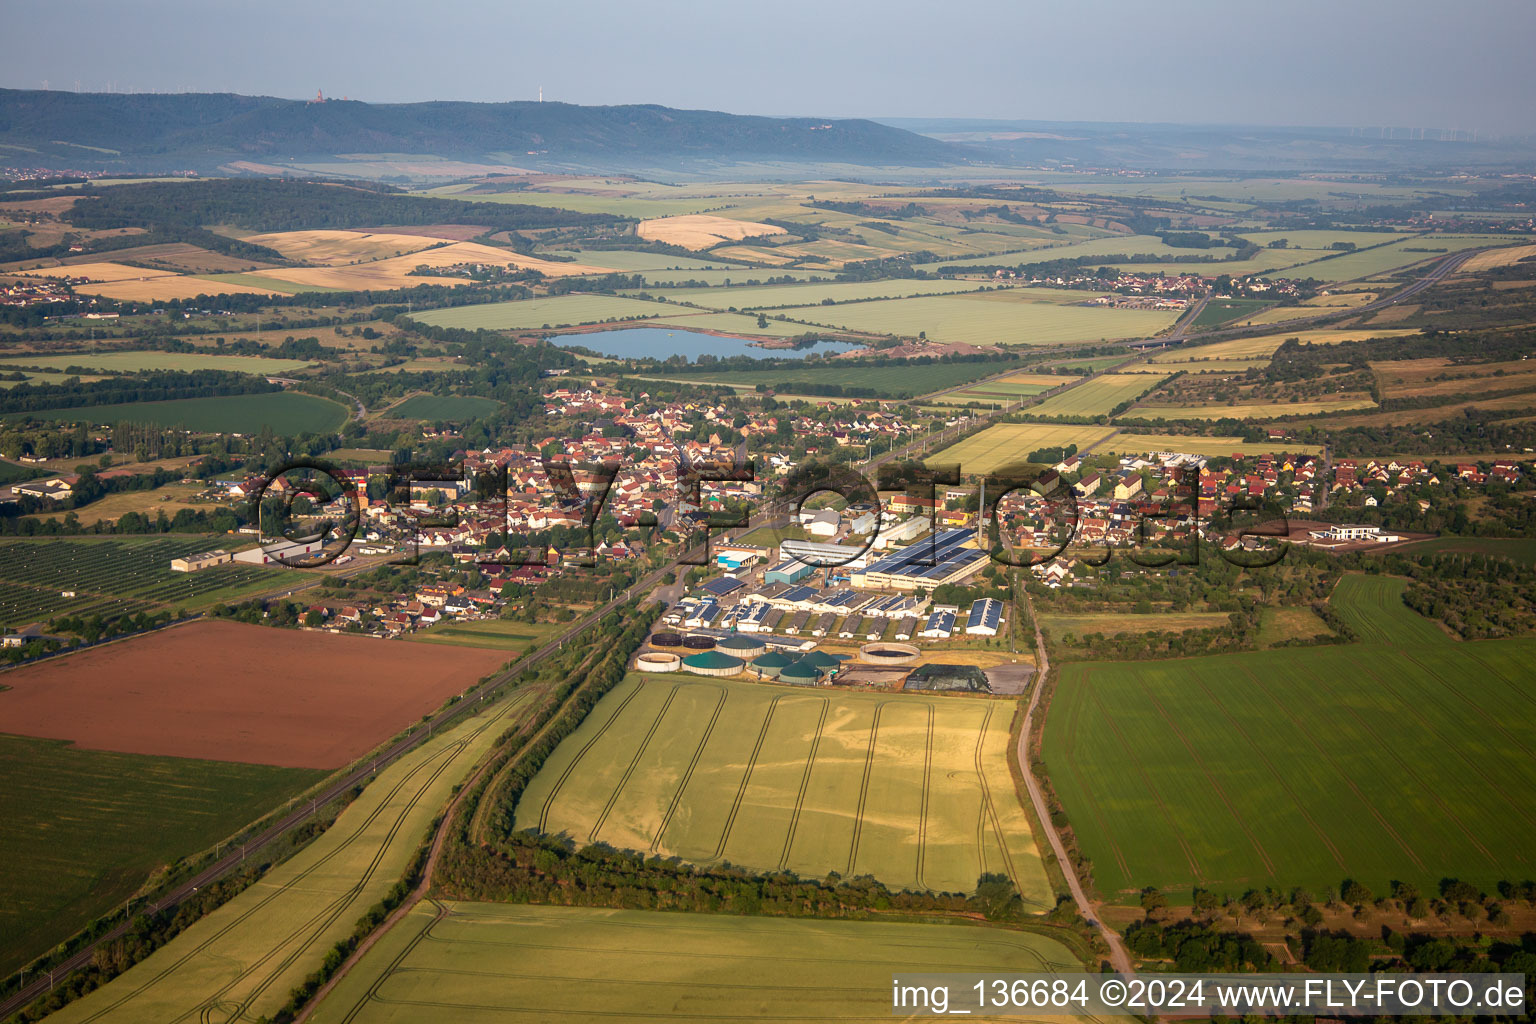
{"points": [[227, 691]]}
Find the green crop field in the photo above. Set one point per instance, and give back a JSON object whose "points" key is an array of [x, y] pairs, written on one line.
{"points": [[1519, 549], [773, 296], [1100, 395], [1404, 756], [563, 310], [1219, 311], [912, 790], [241, 961], [498, 634], [113, 577], [85, 828], [888, 381], [553, 965], [131, 362], [1010, 316], [286, 412], [443, 407]]}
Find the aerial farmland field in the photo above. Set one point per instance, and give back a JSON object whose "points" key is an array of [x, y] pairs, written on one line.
{"points": [[913, 790], [223, 690], [443, 407], [888, 381], [1098, 396], [1263, 346], [562, 310], [1376, 760], [1011, 316], [1245, 411], [85, 828], [133, 361], [241, 414], [1005, 443], [246, 956], [550, 965]]}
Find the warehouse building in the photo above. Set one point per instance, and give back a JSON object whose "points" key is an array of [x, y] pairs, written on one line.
{"points": [[192, 563], [984, 617], [947, 558]]}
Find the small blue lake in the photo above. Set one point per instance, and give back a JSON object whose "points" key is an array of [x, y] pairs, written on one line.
{"points": [[665, 342]]}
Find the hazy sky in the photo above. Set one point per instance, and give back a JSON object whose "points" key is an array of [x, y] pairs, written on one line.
{"points": [[1314, 62]]}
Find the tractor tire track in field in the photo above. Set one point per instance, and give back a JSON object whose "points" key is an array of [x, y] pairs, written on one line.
{"points": [[869, 768], [981, 805], [805, 783], [1009, 868], [746, 777], [1258, 749], [1210, 777], [922, 815], [1157, 797], [372, 994], [227, 929], [554, 790], [682, 785], [650, 734], [336, 906], [1408, 772], [1344, 776]]}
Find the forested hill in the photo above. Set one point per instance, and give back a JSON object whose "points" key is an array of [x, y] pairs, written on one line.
{"points": [[202, 131]]}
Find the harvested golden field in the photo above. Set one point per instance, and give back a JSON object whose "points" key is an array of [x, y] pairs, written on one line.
{"points": [[1419, 377], [167, 287], [334, 248], [474, 252], [701, 230], [1253, 411], [104, 272], [1347, 300], [1497, 258], [396, 272], [1264, 345]]}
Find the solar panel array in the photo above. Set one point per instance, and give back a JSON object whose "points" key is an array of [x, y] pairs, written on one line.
{"points": [[946, 552], [986, 613]]}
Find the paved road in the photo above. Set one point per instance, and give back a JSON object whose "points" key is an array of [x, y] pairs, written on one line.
{"points": [[1119, 959]]}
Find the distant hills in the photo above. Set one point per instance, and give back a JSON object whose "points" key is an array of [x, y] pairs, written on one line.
{"points": [[1242, 148], [212, 131]]}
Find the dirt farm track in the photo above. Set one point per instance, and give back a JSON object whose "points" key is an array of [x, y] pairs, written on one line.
{"points": [[227, 691]]}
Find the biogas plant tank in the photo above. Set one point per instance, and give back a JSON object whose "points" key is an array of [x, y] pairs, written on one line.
{"points": [[695, 642], [888, 654], [667, 640], [658, 661]]}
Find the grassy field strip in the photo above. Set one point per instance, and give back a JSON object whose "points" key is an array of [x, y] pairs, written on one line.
{"points": [[1007, 317], [1247, 411], [1100, 395], [913, 790], [543, 965], [139, 361], [1376, 760], [1006, 443], [240, 414], [242, 960]]}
